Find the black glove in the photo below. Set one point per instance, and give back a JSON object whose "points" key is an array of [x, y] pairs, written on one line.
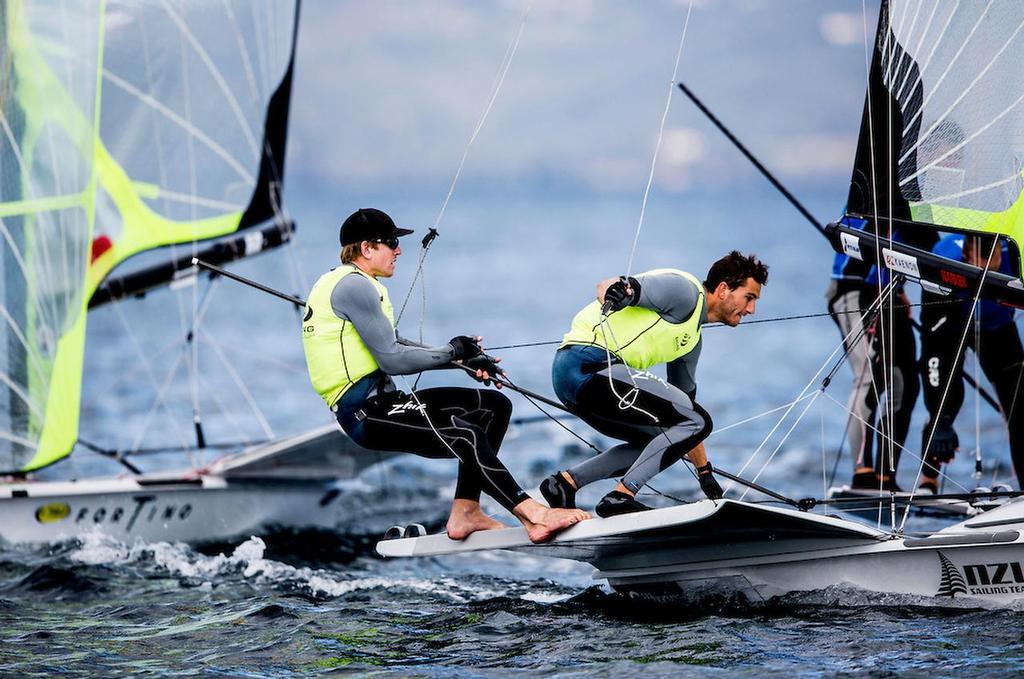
{"points": [[617, 297], [464, 347], [945, 442], [708, 483], [488, 364]]}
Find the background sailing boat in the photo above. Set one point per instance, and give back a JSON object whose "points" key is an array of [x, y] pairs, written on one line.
{"points": [[135, 138]]}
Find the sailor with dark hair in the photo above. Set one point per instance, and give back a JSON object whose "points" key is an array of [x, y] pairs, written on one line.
{"points": [[600, 373], [352, 350], [996, 342]]}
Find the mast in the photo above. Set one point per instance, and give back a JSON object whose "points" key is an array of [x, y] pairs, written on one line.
{"points": [[15, 364]]}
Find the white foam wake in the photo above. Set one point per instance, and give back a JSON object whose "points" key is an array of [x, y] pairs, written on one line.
{"points": [[247, 562]]}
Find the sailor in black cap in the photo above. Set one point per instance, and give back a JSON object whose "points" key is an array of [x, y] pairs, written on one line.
{"points": [[352, 349]]}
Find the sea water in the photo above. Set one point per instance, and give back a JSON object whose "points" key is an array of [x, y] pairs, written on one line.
{"points": [[513, 269]]}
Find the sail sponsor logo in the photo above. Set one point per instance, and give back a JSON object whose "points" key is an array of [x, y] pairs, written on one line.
{"points": [[53, 512], [953, 279], [982, 579], [851, 245], [904, 264]]}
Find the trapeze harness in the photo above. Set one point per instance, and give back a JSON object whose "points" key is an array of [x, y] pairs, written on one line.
{"points": [[658, 420], [351, 348]]}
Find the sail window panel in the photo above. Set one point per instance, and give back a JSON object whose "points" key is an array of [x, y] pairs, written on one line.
{"points": [[185, 95], [962, 151]]}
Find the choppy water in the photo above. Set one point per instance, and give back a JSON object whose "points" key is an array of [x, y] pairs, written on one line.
{"points": [[281, 606], [99, 608]]}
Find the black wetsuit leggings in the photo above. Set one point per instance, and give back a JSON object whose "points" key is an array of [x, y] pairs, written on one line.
{"points": [[1000, 356], [658, 422], [444, 422]]}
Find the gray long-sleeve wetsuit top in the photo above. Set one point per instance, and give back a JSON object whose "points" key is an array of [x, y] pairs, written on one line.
{"points": [[355, 299], [674, 298]]}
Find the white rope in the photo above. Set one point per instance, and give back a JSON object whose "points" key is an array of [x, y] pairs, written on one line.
{"points": [[719, 430], [245, 391], [906, 450], [785, 437], [977, 397], [805, 392], [661, 134]]}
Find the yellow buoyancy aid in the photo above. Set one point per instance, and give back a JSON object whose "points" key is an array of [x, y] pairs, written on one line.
{"points": [[336, 355], [639, 336]]}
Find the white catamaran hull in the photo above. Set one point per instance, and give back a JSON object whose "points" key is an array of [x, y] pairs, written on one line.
{"points": [[730, 547], [297, 483]]}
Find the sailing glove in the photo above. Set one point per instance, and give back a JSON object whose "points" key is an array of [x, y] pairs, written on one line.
{"points": [[489, 364], [945, 442], [708, 483], [618, 297], [464, 347]]}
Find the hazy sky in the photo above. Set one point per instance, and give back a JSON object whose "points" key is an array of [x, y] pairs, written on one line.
{"points": [[388, 92]]}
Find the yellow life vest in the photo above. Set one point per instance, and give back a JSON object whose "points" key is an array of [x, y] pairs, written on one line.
{"points": [[336, 355], [639, 336]]}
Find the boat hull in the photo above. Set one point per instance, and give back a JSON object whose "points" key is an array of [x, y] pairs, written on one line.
{"points": [[984, 571], [738, 548], [304, 482], [208, 508]]}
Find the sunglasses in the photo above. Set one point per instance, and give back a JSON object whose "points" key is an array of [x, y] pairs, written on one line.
{"points": [[390, 242]]}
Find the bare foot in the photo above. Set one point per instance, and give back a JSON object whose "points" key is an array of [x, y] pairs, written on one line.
{"points": [[543, 523], [467, 518]]}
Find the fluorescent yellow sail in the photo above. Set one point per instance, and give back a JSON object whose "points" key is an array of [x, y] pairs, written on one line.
{"points": [[124, 127], [49, 116]]}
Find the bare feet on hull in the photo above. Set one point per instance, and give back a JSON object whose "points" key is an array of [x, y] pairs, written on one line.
{"points": [[467, 518], [543, 523]]}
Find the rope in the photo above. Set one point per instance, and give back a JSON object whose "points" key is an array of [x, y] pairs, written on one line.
{"points": [[506, 63], [661, 134], [776, 319], [554, 419], [952, 375]]}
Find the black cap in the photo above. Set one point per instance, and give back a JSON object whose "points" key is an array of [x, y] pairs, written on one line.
{"points": [[369, 224]]}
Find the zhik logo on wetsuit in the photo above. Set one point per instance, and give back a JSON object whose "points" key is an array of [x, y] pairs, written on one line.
{"points": [[645, 375], [400, 408]]}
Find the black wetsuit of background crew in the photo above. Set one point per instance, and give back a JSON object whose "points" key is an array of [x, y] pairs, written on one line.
{"points": [[998, 348]]}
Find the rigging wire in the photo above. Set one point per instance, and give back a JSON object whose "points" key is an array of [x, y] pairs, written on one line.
{"points": [[952, 375], [506, 63], [775, 319], [904, 449], [661, 134], [803, 392]]}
